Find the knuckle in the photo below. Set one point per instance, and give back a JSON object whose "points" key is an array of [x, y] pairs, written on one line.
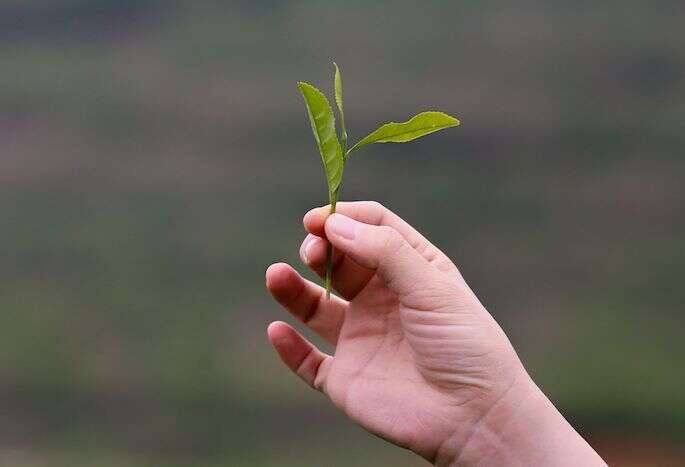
{"points": [[374, 210], [391, 240], [376, 206]]}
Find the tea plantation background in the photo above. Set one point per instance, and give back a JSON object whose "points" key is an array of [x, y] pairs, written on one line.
{"points": [[155, 157]]}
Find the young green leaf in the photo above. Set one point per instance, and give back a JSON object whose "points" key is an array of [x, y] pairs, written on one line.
{"points": [[422, 124], [339, 101], [323, 126]]}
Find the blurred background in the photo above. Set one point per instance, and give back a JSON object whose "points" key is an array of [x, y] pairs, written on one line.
{"points": [[155, 158]]}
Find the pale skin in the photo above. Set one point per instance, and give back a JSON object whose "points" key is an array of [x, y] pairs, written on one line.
{"points": [[418, 360]]}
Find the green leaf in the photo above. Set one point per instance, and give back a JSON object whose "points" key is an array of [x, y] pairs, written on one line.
{"points": [[422, 124], [341, 107], [323, 126]]}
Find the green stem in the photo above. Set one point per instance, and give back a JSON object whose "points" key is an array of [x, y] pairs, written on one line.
{"points": [[334, 199], [329, 254]]}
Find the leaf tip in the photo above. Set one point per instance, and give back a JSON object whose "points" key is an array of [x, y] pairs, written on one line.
{"points": [[454, 120]]}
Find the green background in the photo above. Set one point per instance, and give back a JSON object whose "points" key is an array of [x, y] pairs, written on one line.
{"points": [[155, 158]]}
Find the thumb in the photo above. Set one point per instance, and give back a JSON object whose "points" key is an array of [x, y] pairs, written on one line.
{"points": [[383, 249]]}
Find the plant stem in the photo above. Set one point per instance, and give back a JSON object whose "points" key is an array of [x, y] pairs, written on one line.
{"points": [[334, 199], [329, 254]]}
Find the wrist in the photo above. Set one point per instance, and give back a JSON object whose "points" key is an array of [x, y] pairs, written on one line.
{"points": [[522, 427]]}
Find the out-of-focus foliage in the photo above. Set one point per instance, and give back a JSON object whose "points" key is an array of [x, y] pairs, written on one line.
{"points": [[142, 152]]}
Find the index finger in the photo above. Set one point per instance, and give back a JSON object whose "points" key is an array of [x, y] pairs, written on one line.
{"points": [[374, 213]]}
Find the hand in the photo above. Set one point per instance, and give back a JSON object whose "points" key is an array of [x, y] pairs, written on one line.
{"points": [[418, 360]]}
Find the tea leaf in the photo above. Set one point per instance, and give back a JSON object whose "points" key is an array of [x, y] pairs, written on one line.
{"points": [[339, 101], [422, 124], [323, 126]]}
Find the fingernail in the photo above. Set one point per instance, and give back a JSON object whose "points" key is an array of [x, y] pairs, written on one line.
{"points": [[341, 225], [312, 212], [309, 213], [306, 246], [309, 249]]}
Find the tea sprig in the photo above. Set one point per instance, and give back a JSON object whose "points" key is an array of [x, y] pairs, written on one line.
{"points": [[334, 151]]}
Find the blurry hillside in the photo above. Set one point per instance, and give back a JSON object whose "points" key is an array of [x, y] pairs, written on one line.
{"points": [[155, 157]]}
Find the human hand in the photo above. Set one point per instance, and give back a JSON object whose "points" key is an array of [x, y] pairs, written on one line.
{"points": [[418, 360]]}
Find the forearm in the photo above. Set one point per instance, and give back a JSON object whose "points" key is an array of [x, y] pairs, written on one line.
{"points": [[522, 428]]}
